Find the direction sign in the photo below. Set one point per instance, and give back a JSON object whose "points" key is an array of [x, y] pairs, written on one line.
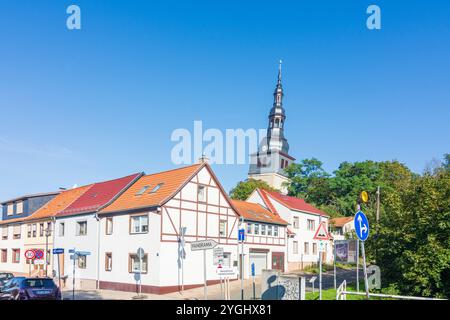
{"points": [[38, 254], [29, 254], [253, 269], [203, 245], [321, 233], [71, 250], [83, 253], [58, 251], [226, 272], [361, 226]]}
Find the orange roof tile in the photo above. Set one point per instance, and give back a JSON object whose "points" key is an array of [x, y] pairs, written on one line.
{"points": [[256, 212], [171, 181], [58, 203], [341, 221]]}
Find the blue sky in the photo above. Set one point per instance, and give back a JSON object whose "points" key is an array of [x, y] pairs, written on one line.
{"points": [[101, 102]]}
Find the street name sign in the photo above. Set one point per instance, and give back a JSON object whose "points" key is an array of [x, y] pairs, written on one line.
{"points": [[58, 251], [203, 245], [83, 253], [361, 226], [321, 233]]}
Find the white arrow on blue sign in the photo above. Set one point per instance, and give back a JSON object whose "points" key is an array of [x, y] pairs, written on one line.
{"points": [[58, 251], [241, 235], [361, 226]]}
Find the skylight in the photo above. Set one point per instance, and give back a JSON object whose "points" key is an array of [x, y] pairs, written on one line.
{"points": [[145, 188], [157, 187]]}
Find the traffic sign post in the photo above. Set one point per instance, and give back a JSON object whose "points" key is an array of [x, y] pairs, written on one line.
{"points": [[57, 252], [204, 245], [29, 255], [362, 228], [322, 235], [253, 276], [241, 238], [140, 254]]}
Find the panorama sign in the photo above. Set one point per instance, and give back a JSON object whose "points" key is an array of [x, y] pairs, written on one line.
{"points": [[203, 245]]}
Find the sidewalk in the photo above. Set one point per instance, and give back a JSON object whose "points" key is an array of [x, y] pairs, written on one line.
{"points": [[213, 293]]}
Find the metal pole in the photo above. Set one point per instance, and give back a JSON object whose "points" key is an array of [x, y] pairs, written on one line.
{"points": [[357, 265], [73, 275], [378, 223], [242, 267], [204, 274], [59, 277], [366, 282], [334, 248], [46, 252], [320, 267], [254, 289], [140, 275]]}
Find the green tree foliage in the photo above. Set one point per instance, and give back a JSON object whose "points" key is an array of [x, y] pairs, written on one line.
{"points": [[411, 243], [245, 188]]}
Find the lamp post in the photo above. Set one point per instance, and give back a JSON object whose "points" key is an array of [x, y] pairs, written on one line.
{"points": [[48, 232]]}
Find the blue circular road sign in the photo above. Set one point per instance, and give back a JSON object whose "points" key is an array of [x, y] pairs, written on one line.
{"points": [[361, 226]]}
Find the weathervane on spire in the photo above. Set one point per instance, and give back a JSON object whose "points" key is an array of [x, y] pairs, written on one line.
{"points": [[279, 71]]}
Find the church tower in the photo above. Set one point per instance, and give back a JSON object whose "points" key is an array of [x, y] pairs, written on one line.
{"points": [[273, 154]]}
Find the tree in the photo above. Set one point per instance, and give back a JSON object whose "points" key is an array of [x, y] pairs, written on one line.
{"points": [[245, 188]]}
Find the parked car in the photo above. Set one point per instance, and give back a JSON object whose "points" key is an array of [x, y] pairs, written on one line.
{"points": [[4, 278], [21, 288]]}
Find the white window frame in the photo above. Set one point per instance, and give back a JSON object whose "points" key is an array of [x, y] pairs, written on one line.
{"points": [[275, 231], [222, 228], [201, 193], [79, 228], [141, 226], [61, 229], [296, 222], [10, 209], [19, 205]]}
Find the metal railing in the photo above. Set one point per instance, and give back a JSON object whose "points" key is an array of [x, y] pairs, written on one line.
{"points": [[341, 294]]}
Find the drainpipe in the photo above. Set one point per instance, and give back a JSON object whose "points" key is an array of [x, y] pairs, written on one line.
{"points": [[98, 251]]}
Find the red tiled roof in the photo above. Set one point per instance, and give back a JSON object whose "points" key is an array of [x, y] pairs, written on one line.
{"points": [[256, 212], [99, 195], [170, 182], [292, 203]]}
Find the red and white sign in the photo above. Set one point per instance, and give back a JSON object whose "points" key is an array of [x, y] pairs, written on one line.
{"points": [[322, 233], [29, 254]]}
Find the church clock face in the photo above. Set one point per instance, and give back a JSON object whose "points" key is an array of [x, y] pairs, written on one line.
{"points": [[264, 148]]}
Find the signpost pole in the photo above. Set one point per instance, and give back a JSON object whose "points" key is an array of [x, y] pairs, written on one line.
{"points": [[73, 274], [366, 283], [204, 274], [320, 266], [334, 247], [242, 267], [140, 275], [59, 276]]}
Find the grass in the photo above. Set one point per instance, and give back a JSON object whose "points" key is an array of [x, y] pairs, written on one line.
{"points": [[330, 294]]}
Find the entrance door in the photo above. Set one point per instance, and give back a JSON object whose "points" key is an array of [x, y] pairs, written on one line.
{"points": [[260, 261], [278, 261]]}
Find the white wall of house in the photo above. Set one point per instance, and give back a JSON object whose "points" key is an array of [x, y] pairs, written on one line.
{"points": [[301, 257], [10, 244], [84, 277]]}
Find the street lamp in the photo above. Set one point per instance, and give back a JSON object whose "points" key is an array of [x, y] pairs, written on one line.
{"points": [[48, 232]]}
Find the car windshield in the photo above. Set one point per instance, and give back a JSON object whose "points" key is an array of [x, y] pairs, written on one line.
{"points": [[38, 283], [4, 276]]}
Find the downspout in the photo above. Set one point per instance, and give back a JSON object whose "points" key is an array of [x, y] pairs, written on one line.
{"points": [[97, 285]]}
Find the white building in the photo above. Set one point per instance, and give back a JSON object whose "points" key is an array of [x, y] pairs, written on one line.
{"points": [[341, 227], [304, 220]]}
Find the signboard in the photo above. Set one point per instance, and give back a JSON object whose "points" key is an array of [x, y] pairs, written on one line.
{"points": [[253, 269], [227, 272], [345, 251], [321, 233], [38, 262], [322, 246], [203, 245], [361, 226], [83, 253], [71, 250], [29, 254], [218, 256], [38, 254], [241, 235], [58, 251]]}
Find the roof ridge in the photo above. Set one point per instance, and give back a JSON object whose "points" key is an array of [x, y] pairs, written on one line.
{"points": [[175, 169]]}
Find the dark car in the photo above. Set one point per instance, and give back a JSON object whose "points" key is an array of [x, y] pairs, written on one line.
{"points": [[21, 288], [4, 278]]}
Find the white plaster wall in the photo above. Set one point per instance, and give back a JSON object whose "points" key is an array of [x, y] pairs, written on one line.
{"points": [[12, 244]]}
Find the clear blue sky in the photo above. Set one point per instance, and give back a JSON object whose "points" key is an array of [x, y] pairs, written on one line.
{"points": [[100, 103]]}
